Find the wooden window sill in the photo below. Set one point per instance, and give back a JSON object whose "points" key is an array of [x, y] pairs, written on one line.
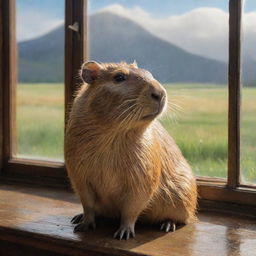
{"points": [[36, 221]]}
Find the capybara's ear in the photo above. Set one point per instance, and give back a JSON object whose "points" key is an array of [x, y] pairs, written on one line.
{"points": [[90, 71], [134, 64]]}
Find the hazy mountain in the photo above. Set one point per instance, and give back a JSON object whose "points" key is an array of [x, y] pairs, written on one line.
{"points": [[248, 71], [42, 59], [115, 38]]}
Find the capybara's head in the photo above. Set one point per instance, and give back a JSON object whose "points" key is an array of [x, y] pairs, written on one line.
{"points": [[122, 93]]}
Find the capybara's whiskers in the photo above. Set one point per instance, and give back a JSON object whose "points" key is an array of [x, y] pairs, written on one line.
{"points": [[126, 110]]}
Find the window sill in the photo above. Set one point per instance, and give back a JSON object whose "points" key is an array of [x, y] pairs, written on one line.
{"points": [[37, 221]]}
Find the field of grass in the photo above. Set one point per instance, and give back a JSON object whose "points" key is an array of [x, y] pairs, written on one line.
{"points": [[196, 118], [40, 121]]}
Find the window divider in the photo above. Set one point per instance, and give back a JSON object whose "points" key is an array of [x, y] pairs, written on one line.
{"points": [[75, 48], [1, 88], [234, 84], [9, 57]]}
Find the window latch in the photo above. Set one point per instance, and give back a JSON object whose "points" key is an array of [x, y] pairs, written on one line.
{"points": [[74, 27]]}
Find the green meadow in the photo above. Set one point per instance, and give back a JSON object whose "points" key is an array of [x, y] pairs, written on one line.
{"points": [[40, 121], [196, 117]]}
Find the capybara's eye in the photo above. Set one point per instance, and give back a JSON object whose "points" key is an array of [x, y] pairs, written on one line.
{"points": [[119, 77]]}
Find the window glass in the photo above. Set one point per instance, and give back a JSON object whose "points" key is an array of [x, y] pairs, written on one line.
{"points": [[248, 113], [185, 46], [40, 88]]}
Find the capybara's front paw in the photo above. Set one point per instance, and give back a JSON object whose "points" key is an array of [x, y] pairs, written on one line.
{"points": [[168, 225], [84, 226], [125, 231], [77, 218]]}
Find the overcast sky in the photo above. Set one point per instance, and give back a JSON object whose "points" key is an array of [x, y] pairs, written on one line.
{"points": [[198, 26]]}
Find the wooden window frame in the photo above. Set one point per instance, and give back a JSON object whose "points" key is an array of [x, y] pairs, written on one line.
{"points": [[50, 173], [24, 170], [232, 190]]}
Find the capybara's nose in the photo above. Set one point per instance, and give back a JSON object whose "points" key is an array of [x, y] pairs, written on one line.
{"points": [[156, 96]]}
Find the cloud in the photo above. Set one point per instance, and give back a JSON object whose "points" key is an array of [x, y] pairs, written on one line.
{"points": [[203, 31], [32, 23]]}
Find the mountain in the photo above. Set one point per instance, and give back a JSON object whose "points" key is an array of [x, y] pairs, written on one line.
{"points": [[113, 38], [42, 59], [248, 71], [121, 39]]}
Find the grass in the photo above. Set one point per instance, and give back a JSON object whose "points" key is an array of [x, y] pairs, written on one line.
{"points": [[40, 121], [199, 126], [196, 118]]}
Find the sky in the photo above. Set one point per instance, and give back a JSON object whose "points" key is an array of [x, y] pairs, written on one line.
{"points": [[177, 21], [159, 8], [162, 8]]}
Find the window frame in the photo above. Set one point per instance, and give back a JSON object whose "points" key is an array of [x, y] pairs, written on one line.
{"points": [[53, 173], [232, 190], [26, 170]]}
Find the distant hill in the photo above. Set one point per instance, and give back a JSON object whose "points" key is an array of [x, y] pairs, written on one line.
{"points": [[42, 59], [115, 38], [249, 71]]}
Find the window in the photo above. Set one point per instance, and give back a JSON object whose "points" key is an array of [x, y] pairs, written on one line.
{"points": [[216, 160], [187, 56], [40, 80], [29, 61]]}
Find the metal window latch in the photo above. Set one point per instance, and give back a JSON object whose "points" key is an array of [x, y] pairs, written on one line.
{"points": [[74, 27]]}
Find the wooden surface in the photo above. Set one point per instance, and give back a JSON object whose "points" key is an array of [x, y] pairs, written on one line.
{"points": [[223, 193], [29, 171], [40, 218]]}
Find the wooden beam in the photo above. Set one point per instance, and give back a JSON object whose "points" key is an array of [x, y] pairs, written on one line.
{"points": [[9, 78], [35, 172], [215, 192], [75, 48], [1, 88], [234, 84]]}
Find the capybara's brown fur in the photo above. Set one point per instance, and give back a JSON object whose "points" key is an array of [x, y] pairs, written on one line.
{"points": [[120, 160]]}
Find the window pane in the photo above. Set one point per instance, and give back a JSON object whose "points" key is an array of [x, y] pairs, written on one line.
{"points": [[185, 46], [40, 88], [248, 121]]}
